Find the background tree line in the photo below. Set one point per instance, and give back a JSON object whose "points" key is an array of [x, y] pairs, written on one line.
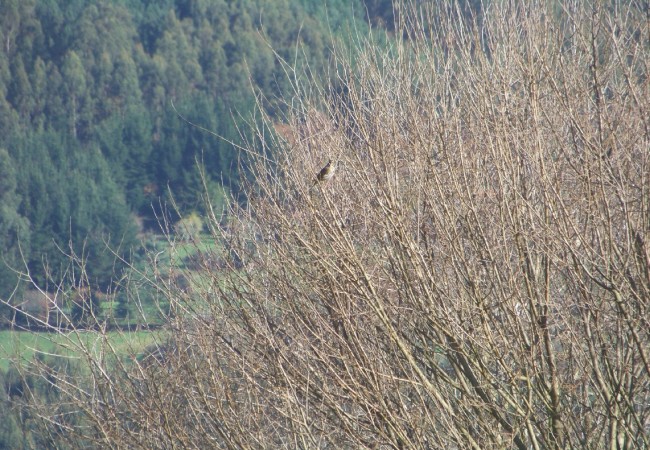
{"points": [[89, 140]]}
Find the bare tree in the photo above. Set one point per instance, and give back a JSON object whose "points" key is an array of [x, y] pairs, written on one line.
{"points": [[475, 274]]}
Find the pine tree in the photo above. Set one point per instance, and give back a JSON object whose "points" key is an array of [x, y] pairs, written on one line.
{"points": [[14, 228], [74, 82]]}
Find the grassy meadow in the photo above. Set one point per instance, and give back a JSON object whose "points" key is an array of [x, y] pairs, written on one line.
{"points": [[25, 345]]}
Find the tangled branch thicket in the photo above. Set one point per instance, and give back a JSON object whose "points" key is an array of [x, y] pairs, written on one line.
{"points": [[475, 275]]}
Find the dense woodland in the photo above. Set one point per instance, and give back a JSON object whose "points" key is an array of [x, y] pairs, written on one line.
{"points": [[93, 97]]}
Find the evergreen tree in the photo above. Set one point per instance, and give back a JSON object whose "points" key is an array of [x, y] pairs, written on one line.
{"points": [[40, 88], [20, 90], [14, 228], [74, 82]]}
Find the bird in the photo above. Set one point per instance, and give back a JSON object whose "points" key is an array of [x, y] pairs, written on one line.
{"points": [[326, 173]]}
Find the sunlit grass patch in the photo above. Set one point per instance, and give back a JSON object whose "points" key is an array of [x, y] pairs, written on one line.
{"points": [[23, 346]]}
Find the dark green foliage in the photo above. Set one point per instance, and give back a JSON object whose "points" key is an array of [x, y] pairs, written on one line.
{"points": [[72, 203], [11, 436], [91, 99], [17, 389], [14, 229]]}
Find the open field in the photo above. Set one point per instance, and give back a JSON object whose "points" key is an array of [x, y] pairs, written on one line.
{"points": [[24, 345]]}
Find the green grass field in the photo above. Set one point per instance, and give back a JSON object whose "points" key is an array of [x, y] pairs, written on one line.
{"points": [[24, 345]]}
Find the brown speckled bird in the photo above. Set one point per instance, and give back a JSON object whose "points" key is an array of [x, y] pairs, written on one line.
{"points": [[326, 173]]}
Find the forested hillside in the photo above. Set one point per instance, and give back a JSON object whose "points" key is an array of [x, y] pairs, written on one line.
{"points": [[90, 144]]}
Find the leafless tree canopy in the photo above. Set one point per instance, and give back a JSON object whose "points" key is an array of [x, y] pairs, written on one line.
{"points": [[476, 274]]}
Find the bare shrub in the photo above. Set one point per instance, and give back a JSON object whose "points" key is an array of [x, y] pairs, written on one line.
{"points": [[475, 275]]}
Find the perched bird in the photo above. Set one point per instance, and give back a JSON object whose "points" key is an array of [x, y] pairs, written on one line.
{"points": [[326, 173]]}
